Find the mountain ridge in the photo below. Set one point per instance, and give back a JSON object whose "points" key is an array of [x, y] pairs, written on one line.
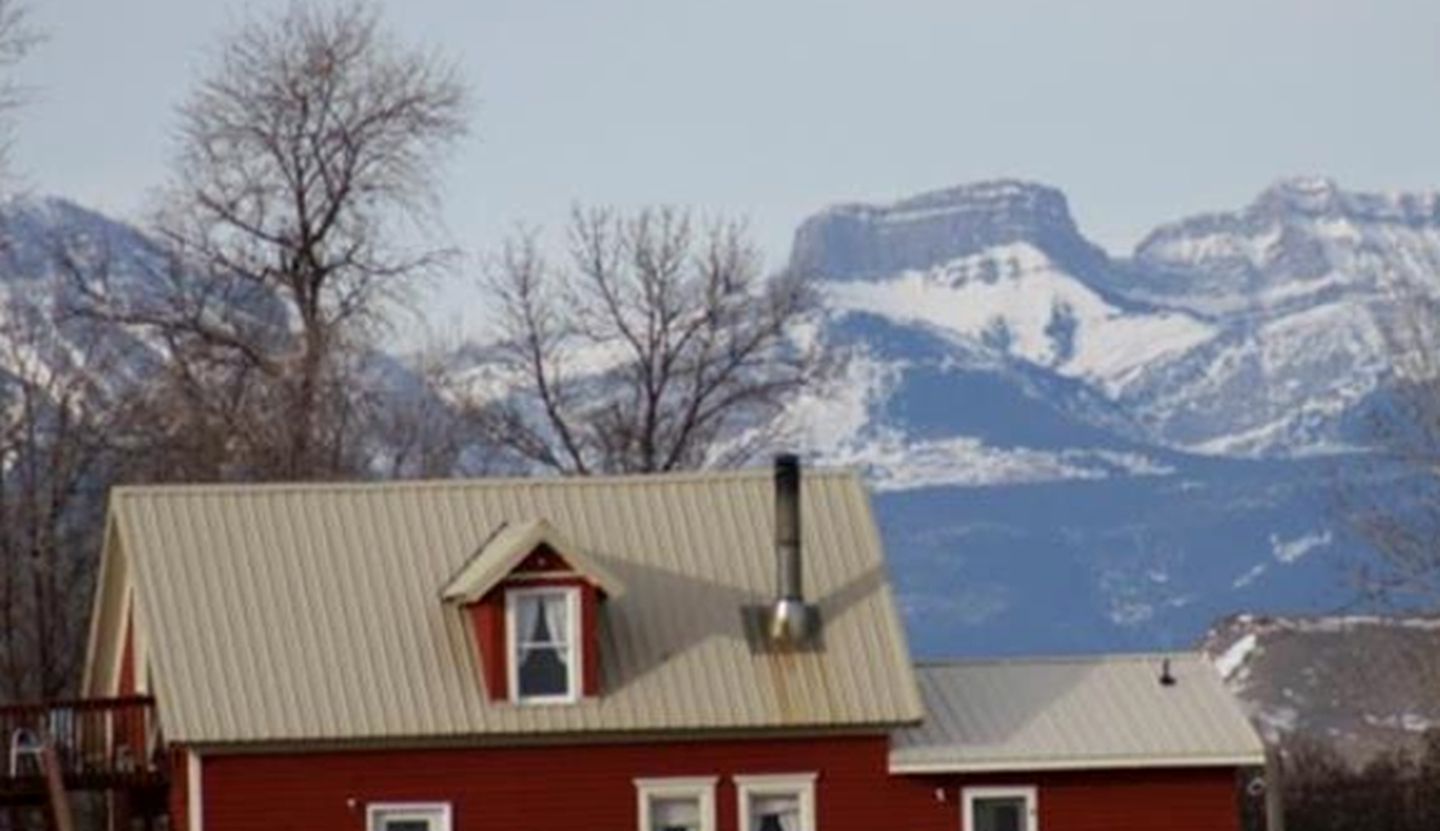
{"points": [[1063, 462], [858, 240], [1117, 453]]}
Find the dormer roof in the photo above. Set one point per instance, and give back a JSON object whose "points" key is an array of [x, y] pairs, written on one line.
{"points": [[508, 547]]}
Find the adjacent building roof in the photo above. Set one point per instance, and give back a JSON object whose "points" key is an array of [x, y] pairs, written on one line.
{"points": [[313, 612], [514, 542], [1075, 713]]}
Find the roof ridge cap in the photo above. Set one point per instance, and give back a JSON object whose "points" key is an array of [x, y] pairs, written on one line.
{"points": [[671, 477], [1081, 658]]}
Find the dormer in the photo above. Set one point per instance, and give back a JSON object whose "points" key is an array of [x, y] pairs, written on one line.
{"points": [[533, 601]]}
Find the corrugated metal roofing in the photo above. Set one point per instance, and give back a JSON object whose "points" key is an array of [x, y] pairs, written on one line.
{"points": [[313, 612], [1071, 713]]}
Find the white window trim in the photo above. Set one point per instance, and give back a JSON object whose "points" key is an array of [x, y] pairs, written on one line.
{"points": [[677, 787], [194, 791], [1028, 793], [512, 657], [801, 785], [429, 811]]}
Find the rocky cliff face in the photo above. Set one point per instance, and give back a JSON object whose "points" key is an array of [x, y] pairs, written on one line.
{"points": [[849, 242], [1301, 241]]}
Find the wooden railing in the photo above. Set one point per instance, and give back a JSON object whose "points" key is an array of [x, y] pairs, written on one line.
{"points": [[97, 740]]}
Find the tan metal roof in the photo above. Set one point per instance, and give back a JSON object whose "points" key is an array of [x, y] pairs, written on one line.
{"points": [[495, 560], [1074, 713], [313, 612]]}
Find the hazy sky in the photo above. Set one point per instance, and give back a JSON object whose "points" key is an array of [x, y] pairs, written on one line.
{"points": [[1141, 110]]}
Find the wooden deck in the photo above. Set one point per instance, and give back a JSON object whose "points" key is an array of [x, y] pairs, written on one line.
{"points": [[101, 744]]}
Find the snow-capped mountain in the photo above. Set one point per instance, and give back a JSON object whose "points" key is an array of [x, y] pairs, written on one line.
{"points": [[53, 253], [1249, 334], [57, 259], [1157, 435], [1071, 450]]}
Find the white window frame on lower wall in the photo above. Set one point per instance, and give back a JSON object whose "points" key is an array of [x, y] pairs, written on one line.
{"points": [[799, 785], [436, 814], [677, 787], [1029, 793]]}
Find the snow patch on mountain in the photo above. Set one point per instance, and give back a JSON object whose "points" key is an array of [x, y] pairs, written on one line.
{"points": [[838, 422], [1015, 299], [1230, 662], [891, 462], [1291, 550]]}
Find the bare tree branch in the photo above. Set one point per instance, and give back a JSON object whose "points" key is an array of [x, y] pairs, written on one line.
{"points": [[305, 173], [657, 345], [1392, 502]]}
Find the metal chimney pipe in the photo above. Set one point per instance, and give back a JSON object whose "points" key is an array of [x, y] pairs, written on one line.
{"points": [[790, 579], [791, 622]]}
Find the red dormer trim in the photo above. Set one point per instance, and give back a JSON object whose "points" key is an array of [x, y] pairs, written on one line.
{"points": [[487, 621], [525, 555], [543, 559]]}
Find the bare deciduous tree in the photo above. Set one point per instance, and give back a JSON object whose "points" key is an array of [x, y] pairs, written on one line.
{"points": [[1393, 501], [421, 430], [17, 38], [68, 403], [655, 349], [296, 214]]}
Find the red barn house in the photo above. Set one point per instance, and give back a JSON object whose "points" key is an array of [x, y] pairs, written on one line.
{"points": [[660, 653]]}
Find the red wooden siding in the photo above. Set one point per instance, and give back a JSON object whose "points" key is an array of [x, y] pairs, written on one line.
{"points": [[487, 621], [533, 789], [589, 640], [542, 559], [128, 727], [126, 685], [1193, 799], [1203, 800], [179, 789], [592, 787]]}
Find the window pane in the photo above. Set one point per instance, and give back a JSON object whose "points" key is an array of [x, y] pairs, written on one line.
{"points": [[775, 813], [675, 814], [407, 819], [1001, 814], [544, 671], [543, 645]]}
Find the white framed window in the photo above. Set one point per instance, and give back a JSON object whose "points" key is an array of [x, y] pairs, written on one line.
{"points": [[1000, 809], [777, 802], [542, 628], [407, 816], [676, 804]]}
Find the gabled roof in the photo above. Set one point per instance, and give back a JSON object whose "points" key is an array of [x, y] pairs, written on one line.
{"points": [[1086, 712], [310, 612], [515, 541]]}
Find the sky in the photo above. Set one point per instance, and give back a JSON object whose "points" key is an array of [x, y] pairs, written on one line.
{"points": [[1142, 111]]}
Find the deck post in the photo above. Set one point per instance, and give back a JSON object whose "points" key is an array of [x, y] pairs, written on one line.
{"points": [[55, 786]]}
